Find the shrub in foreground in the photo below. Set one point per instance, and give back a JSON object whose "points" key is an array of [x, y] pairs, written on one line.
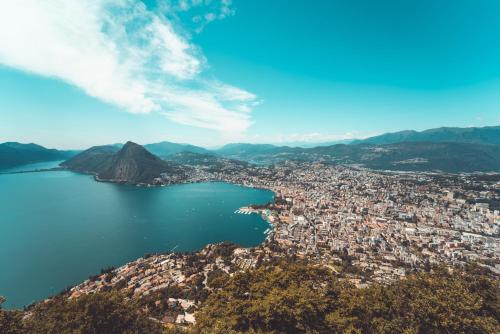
{"points": [[105, 312], [297, 298]]}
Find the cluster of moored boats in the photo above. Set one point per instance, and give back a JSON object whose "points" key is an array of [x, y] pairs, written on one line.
{"points": [[243, 211]]}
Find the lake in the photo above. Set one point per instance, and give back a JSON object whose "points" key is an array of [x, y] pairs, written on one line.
{"points": [[33, 166], [57, 228]]}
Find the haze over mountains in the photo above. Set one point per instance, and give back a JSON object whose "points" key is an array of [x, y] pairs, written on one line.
{"points": [[441, 149]]}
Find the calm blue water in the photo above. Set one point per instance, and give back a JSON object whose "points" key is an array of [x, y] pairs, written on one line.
{"points": [[58, 228], [33, 166]]}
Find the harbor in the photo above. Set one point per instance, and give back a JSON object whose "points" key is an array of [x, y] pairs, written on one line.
{"points": [[266, 214]]}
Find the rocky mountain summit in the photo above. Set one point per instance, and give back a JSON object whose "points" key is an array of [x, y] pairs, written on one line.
{"points": [[130, 164]]}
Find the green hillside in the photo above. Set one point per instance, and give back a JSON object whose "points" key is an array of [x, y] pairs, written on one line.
{"points": [[289, 297]]}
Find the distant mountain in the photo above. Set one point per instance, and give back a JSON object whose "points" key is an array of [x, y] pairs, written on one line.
{"points": [[444, 149], [245, 151], [165, 149], [406, 156], [484, 135], [14, 154], [94, 160], [316, 144], [418, 156], [191, 158], [131, 164], [208, 160]]}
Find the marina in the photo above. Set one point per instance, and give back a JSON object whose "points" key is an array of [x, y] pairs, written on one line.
{"points": [[264, 213], [246, 211]]}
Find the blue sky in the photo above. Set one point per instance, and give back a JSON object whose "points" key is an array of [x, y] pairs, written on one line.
{"points": [[75, 74]]}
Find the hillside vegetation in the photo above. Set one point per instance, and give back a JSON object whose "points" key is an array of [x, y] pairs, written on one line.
{"points": [[297, 298], [290, 297]]}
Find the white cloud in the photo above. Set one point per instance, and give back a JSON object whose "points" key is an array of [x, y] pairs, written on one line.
{"points": [[123, 53], [199, 12]]}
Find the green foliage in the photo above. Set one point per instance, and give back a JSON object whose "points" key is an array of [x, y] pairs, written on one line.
{"points": [[286, 297], [424, 303], [292, 298], [10, 322], [224, 250], [107, 312], [215, 278], [297, 298]]}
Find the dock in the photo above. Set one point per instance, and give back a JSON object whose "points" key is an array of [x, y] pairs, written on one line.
{"points": [[245, 211]]}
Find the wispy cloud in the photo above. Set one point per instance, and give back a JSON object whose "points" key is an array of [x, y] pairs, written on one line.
{"points": [[126, 54], [197, 12]]}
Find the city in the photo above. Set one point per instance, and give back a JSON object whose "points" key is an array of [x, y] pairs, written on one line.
{"points": [[249, 167], [367, 226]]}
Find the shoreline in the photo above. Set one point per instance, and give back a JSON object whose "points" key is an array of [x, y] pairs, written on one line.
{"points": [[263, 214], [274, 245], [260, 239]]}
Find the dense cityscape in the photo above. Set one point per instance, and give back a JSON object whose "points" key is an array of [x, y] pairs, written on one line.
{"points": [[387, 222], [366, 226]]}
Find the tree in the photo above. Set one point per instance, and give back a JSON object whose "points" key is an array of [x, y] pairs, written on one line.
{"points": [[287, 298], [439, 302], [10, 321], [103, 312], [299, 298]]}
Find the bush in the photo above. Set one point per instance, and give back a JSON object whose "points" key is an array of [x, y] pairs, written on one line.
{"points": [[423, 303], [11, 322], [298, 298], [107, 312], [290, 299]]}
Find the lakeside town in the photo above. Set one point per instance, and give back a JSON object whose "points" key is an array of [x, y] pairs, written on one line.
{"points": [[367, 226], [388, 223]]}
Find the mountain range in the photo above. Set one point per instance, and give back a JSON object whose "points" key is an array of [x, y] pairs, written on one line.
{"points": [[484, 135], [405, 156], [441, 149]]}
